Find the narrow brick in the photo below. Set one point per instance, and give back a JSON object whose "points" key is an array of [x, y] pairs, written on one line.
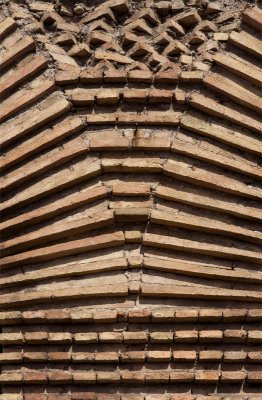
{"points": [[184, 356], [210, 355], [26, 96], [59, 230], [135, 337], [205, 247], [209, 377], [63, 249], [246, 42], [211, 180], [41, 141], [234, 356], [186, 316], [211, 107], [110, 337], [161, 337], [7, 26], [25, 45], [133, 357], [242, 69], [49, 109], [185, 336], [163, 315], [181, 377], [220, 133], [234, 91], [210, 315], [253, 17], [158, 356], [57, 207]]}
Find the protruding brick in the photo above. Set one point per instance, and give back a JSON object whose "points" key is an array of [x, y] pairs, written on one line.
{"points": [[186, 316], [210, 315], [140, 316]]}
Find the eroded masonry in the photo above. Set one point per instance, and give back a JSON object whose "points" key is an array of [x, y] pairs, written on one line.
{"points": [[131, 194]]}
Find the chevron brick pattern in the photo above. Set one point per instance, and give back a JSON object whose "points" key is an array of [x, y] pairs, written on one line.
{"points": [[131, 198]]}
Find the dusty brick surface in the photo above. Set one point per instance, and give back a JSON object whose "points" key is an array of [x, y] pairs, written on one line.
{"points": [[130, 256]]}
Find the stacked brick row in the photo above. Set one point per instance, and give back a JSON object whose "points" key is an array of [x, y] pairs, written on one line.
{"points": [[130, 255]]}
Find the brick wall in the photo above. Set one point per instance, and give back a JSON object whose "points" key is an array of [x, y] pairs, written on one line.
{"points": [[130, 176]]}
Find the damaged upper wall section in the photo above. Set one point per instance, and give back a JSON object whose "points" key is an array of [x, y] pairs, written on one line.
{"points": [[129, 35]]}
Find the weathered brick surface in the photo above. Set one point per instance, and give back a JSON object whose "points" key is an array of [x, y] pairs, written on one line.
{"points": [[22, 47], [50, 108], [130, 255], [22, 72]]}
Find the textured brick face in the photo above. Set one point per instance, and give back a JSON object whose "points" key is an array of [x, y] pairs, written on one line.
{"points": [[130, 177]]}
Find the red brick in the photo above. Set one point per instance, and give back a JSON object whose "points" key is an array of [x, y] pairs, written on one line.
{"points": [[163, 315], [106, 357], [57, 315], [105, 316], [210, 315], [254, 315], [253, 17], [11, 378], [67, 74], [83, 396], [186, 316], [234, 336], [21, 73], [140, 316], [234, 356], [107, 377], [233, 376], [158, 356], [129, 189], [132, 377], [210, 355], [87, 76], [184, 355], [34, 356], [35, 396], [34, 316], [234, 91], [234, 315], [7, 26], [157, 377], [110, 337], [254, 356], [183, 377], [36, 337], [170, 76], [10, 358], [23, 46], [209, 336], [24, 97], [84, 377], [206, 377], [115, 76], [83, 357], [161, 337], [59, 377], [254, 377], [185, 336], [59, 356], [135, 337], [254, 336], [132, 356], [140, 76], [50, 108], [34, 377]]}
